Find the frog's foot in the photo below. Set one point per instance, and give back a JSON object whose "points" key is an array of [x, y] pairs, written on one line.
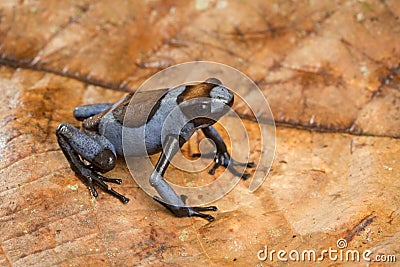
{"points": [[91, 177], [225, 160], [183, 211]]}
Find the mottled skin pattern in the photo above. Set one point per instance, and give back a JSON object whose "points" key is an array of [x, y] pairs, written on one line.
{"points": [[94, 149]]}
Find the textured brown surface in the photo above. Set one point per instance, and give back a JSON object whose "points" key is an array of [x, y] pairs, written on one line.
{"points": [[327, 65]]}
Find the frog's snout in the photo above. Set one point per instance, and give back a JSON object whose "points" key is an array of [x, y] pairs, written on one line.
{"points": [[223, 94]]}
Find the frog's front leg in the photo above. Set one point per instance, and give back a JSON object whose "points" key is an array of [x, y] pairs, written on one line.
{"points": [[83, 112], [169, 198], [97, 150], [222, 157]]}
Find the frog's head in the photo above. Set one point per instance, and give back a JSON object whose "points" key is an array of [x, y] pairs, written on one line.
{"points": [[204, 103]]}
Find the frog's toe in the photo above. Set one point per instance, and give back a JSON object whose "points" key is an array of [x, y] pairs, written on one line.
{"points": [[109, 180], [183, 211], [100, 181]]}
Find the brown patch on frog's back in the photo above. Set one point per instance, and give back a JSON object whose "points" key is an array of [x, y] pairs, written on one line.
{"points": [[142, 109], [195, 91]]}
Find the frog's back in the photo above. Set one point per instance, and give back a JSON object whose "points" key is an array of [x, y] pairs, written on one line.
{"points": [[140, 107], [139, 117]]}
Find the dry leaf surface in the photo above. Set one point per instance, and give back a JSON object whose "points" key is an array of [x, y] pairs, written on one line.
{"points": [[331, 66]]}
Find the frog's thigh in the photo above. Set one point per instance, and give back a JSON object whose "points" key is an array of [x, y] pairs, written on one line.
{"points": [[94, 148]]}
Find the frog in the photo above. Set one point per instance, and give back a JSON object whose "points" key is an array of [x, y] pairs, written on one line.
{"points": [[93, 150]]}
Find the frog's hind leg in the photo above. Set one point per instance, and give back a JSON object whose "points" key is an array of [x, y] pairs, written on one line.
{"points": [[79, 147], [83, 112]]}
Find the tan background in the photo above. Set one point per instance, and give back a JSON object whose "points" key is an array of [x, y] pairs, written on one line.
{"points": [[330, 70]]}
